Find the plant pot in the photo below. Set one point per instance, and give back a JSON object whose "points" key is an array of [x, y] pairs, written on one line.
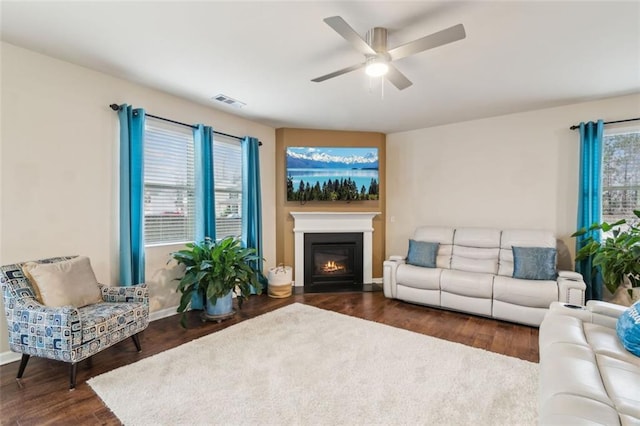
{"points": [[626, 295], [223, 306]]}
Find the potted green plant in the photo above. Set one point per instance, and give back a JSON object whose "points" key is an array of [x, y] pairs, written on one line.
{"points": [[214, 270], [618, 256]]}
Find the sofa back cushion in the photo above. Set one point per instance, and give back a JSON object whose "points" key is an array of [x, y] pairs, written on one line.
{"points": [[476, 250], [441, 235], [521, 238]]}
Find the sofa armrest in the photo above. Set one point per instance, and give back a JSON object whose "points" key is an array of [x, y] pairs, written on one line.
{"points": [[605, 308], [134, 293], [604, 313], [57, 328], [571, 288], [397, 258], [596, 312], [389, 270]]}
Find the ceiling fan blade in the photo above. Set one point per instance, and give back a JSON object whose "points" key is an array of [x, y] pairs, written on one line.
{"points": [[397, 78], [448, 35], [337, 73], [340, 26]]}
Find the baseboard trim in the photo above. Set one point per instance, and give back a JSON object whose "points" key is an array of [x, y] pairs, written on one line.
{"points": [[9, 357], [163, 313]]}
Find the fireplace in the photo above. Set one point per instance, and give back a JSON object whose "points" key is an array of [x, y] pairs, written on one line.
{"points": [[332, 261], [332, 223]]}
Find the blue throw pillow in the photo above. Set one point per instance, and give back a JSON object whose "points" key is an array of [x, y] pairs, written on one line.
{"points": [[422, 253], [628, 329], [534, 263]]}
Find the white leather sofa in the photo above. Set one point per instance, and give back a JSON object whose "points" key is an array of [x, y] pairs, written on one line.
{"points": [[587, 377], [473, 273]]}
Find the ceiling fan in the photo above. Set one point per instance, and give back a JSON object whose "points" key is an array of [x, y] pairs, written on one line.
{"points": [[378, 58]]}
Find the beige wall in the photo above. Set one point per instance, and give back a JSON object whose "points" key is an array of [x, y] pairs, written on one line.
{"points": [[59, 166], [284, 221], [513, 171]]}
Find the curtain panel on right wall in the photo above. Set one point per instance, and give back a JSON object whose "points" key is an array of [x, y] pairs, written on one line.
{"points": [[590, 201], [609, 188]]}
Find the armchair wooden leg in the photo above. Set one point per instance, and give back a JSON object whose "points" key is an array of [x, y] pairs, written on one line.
{"points": [[23, 365], [73, 369], [136, 341]]}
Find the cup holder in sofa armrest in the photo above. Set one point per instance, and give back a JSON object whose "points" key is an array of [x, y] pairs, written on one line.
{"points": [[570, 275]]}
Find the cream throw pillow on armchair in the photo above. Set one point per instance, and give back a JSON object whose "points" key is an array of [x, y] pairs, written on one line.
{"points": [[71, 282]]}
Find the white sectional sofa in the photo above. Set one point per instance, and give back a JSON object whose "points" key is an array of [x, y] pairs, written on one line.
{"points": [[587, 377], [473, 273]]}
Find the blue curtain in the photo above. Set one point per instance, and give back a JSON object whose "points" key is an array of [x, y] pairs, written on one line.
{"points": [[131, 195], [205, 194], [251, 199], [590, 200]]}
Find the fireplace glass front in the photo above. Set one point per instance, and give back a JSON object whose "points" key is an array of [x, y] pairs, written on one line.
{"points": [[333, 262]]}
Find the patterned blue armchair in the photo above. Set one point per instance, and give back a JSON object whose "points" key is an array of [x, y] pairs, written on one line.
{"points": [[67, 333]]}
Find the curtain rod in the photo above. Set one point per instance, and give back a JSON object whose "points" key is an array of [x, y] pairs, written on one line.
{"points": [[574, 127], [116, 107]]}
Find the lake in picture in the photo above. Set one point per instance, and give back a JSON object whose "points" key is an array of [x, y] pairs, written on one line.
{"points": [[332, 174]]}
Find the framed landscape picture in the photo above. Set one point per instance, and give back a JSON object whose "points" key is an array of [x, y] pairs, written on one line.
{"points": [[332, 174]]}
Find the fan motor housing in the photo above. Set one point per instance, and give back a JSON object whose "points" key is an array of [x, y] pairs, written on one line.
{"points": [[377, 39]]}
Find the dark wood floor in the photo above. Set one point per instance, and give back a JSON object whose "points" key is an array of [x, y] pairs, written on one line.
{"points": [[42, 395]]}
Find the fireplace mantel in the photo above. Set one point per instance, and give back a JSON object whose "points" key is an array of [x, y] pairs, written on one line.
{"points": [[307, 222]]}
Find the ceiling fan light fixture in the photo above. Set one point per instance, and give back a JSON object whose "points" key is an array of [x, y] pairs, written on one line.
{"points": [[376, 67]]}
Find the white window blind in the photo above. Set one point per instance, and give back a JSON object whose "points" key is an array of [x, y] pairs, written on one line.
{"points": [[620, 175], [227, 169], [169, 183]]}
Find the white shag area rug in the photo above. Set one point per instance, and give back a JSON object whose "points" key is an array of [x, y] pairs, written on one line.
{"points": [[301, 365]]}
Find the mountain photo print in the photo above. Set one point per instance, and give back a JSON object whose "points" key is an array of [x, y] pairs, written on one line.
{"points": [[332, 174]]}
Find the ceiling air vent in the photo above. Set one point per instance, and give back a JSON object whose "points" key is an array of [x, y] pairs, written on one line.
{"points": [[228, 100]]}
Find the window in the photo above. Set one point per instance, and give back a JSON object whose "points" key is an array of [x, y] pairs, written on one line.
{"points": [[620, 175], [169, 183], [227, 169]]}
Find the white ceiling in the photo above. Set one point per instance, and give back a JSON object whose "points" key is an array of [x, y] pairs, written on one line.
{"points": [[517, 56]]}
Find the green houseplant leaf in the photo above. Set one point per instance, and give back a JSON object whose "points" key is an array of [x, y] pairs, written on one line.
{"points": [[618, 256], [215, 268]]}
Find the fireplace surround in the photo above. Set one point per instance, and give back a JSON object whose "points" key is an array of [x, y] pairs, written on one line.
{"points": [[333, 223]]}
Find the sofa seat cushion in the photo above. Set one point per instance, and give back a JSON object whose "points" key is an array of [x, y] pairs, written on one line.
{"points": [[419, 277], [103, 319], [622, 381], [536, 294], [469, 284]]}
